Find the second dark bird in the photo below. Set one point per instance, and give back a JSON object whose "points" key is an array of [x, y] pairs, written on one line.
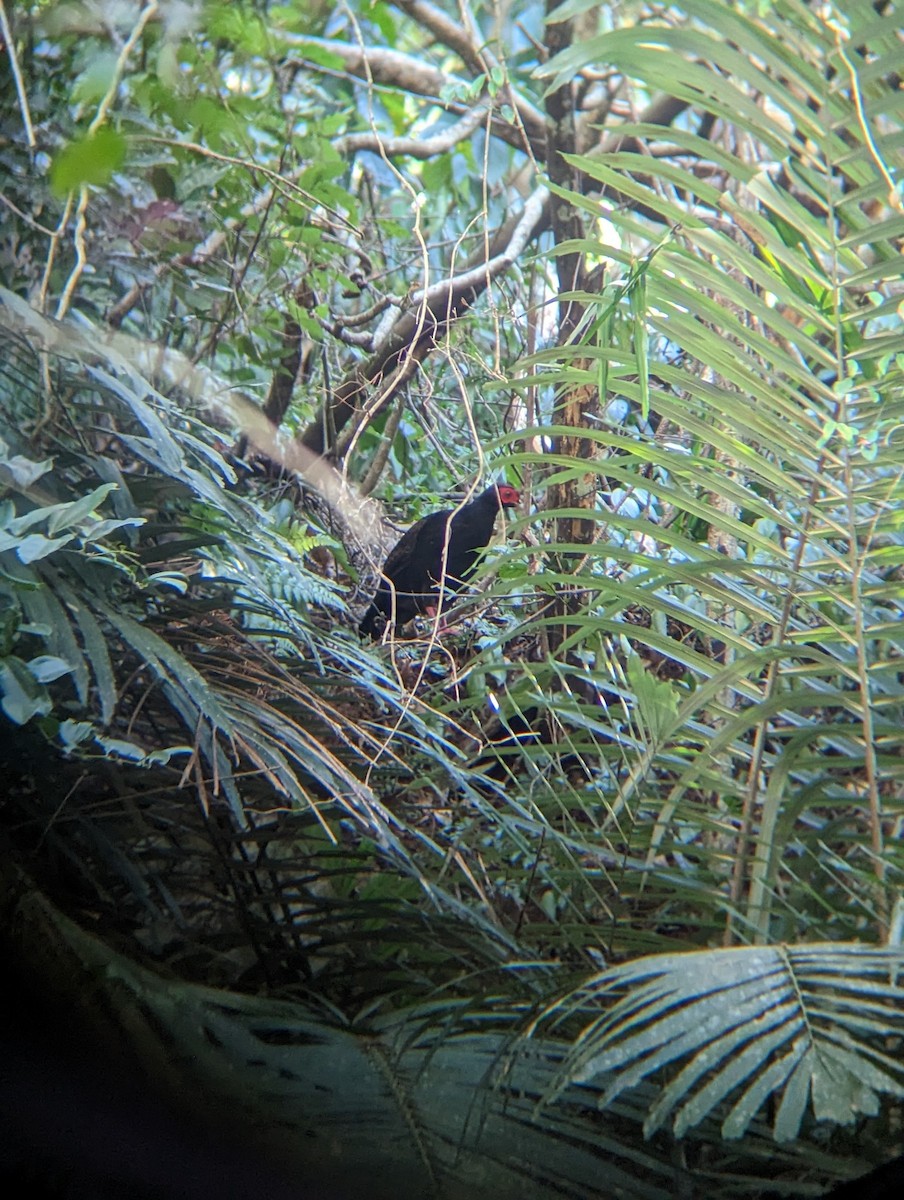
{"points": [[411, 575]]}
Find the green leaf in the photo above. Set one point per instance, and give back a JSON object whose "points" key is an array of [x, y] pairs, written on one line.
{"points": [[119, 748], [35, 546], [384, 19], [729, 1017], [74, 733], [319, 53], [94, 82], [22, 472], [23, 698], [657, 701], [47, 667], [64, 516], [96, 652], [90, 161]]}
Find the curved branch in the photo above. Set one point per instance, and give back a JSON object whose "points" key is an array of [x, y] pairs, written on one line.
{"points": [[479, 58], [416, 331], [390, 68], [414, 147], [376, 64], [452, 35]]}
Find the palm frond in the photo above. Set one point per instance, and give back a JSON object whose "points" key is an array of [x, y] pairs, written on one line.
{"points": [[740, 479], [813, 1027], [447, 1097]]}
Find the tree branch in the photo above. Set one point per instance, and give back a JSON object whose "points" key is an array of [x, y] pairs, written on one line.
{"points": [[478, 57], [416, 331], [414, 147], [390, 68]]}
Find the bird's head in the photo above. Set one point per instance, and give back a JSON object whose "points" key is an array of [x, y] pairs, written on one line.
{"points": [[509, 497]]}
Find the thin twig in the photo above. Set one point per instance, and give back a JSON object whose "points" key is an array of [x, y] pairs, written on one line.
{"points": [[81, 253], [17, 76]]}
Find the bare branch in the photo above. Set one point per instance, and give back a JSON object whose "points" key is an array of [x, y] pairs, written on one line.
{"points": [[378, 65], [416, 331], [473, 52], [16, 70], [486, 272], [390, 68], [352, 321], [445, 30], [87, 342], [414, 147]]}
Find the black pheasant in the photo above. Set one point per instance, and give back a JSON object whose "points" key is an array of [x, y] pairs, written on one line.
{"points": [[453, 539]]}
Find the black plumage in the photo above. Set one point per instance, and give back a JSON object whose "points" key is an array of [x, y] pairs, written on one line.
{"points": [[411, 575]]}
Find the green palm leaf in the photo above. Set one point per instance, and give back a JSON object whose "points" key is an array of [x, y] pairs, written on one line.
{"points": [[740, 1026]]}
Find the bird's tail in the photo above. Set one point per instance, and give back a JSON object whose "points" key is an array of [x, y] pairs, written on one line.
{"points": [[367, 626]]}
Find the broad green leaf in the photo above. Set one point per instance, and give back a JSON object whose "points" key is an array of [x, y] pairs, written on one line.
{"points": [[23, 697], [89, 161], [35, 546], [47, 667]]}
